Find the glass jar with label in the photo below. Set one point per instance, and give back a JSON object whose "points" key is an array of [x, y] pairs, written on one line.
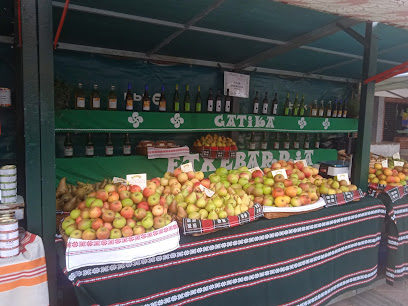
{"points": [[95, 98], [112, 99], [79, 97]]}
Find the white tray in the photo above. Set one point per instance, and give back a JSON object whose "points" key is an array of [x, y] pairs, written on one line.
{"points": [[318, 204]]}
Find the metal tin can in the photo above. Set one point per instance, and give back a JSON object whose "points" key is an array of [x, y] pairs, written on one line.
{"points": [[10, 243], [9, 235], [4, 253], [11, 185], [8, 192], [8, 178], [7, 225], [7, 214], [8, 199], [5, 97], [8, 170]]}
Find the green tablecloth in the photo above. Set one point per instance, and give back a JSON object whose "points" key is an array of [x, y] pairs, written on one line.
{"points": [[299, 260], [397, 243]]}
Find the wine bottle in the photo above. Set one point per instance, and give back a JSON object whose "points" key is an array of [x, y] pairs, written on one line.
{"points": [[286, 107], [129, 99], [176, 101], [339, 109], [89, 148], [275, 104], [68, 147], [127, 146], [187, 102], [227, 106], [210, 102], [79, 97], [345, 108], [314, 109], [198, 101], [162, 102], [264, 143], [317, 141], [295, 108], [95, 98], [252, 142], [306, 143], [302, 107], [112, 99], [328, 112], [218, 102], [109, 145], [276, 142], [321, 109], [146, 100], [265, 104], [255, 107], [286, 142], [296, 142], [334, 109]]}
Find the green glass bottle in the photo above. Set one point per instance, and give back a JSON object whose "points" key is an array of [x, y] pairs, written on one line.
{"points": [[176, 101], [187, 102], [286, 107], [295, 109], [198, 101], [302, 107]]}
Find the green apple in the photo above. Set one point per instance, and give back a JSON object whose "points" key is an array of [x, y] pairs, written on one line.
{"points": [[214, 178], [221, 171], [75, 213], [89, 201], [147, 222], [67, 222]]}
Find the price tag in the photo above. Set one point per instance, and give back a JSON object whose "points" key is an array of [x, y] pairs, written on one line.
{"points": [[398, 163], [343, 177], [118, 180], [209, 193], [137, 179], [396, 156], [384, 163], [254, 169], [187, 167], [303, 161], [280, 171]]}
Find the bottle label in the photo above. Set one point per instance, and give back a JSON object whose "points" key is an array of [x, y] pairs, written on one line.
{"points": [[252, 145], [339, 114], [334, 113], [314, 112], [317, 144], [113, 103], [146, 105], [96, 103], [264, 145], [218, 106], [187, 107], [345, 114], [177, 107], [256, 106], [129, 104], [89, 150], [276, 145], [321, 112], [109, 150], [162, 106], [227, 106], [210, 105], [275, 109], [296, 145], [329, 113], [127, 150], [81, 102], [286, 145], [265, 109], [307, 145], [198, 107], [69, 151]]}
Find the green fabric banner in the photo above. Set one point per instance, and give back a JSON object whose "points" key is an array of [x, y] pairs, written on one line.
{"points": [[158, 122], [96, 169]]}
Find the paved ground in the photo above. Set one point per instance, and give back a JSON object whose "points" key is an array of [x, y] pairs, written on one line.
{"points": [[384, 295]]}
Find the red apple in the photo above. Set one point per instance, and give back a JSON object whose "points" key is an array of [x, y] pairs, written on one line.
{"points": [[122, 188], [307, 172], [156, 180], [147, 192], [278, 192], [287, 183], [140, 213], [85, 214], [108, 225], [127, 212], [299, 165], [138, 230], [304, 186], [206, 183], [95, 212], [131, 223], [257, 173], [124, 194], [127, 231], [115, 206], [279, 178], [113, 196], [102, 233], [157, 210], [134, 188], [305, 199], [102, 194], [143, 205], [89, 234], [108, 216], [276, 166], [110, 188], [97, 223], [82, 205]]}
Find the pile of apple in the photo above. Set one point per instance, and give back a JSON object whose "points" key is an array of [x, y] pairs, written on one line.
{"points": [[115, 212], [388, 176]]}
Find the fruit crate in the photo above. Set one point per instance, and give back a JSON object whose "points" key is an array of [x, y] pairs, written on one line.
{"points": [[216, 152]]}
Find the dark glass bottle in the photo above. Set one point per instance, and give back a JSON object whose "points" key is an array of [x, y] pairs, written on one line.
{"points": [[255, 104], [276, 142], [129, 99], [265, 104], [218, 102], [296, 142], [146, 100], [340, 109], [162, 102], [275, 104], [321, 109], [112, 99], [314, 109], [187, 102], [334, 109], [210, 102], [345, 108], [68, 146], [89, 148], [95, 98], [79, 97], [286, 142], [286, 107], [295, 109], [109, 145], [306, 143], [176, 101], [127, 146], [317, 141], [328, 111], [228, 104], [252, 142], [302, 107], [198, 101], [264, 142]]}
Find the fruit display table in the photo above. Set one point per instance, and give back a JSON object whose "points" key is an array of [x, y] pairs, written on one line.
{"points": [[98, 168], [302, 259]]}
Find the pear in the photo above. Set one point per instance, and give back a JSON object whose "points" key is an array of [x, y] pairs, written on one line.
{"points": [[182, 204], [212, 215], [62, 187], [184, 192], [222, 191], [203, 213], [222, 214], [251, 204], [179, 198], [243, 208], [227, 197], [181, 212], [229, 209], [231, 202], [169, 199], [173, 207], [209, 206], [237, 210], [245, 199], [194, 215], [201, 202], [192, 208], [217, 202], [191, 198], [218, 209], [231, 190], [218, 186]]}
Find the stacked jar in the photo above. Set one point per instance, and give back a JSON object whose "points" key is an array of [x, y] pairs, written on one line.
{"points": [[8, 184], [9, 236]]}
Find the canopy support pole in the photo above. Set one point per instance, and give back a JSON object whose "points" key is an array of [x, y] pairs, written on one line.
{"points": [[361, 157]]}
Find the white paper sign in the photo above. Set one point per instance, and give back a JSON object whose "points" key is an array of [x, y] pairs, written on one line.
{"points": [[137, 179], [118, 180], [280, 171], [398, 163], [396, 156], [343, 177], [303, 161], [254, 169], [238, 84], [187, 167], [209, 193], [384, 163]]}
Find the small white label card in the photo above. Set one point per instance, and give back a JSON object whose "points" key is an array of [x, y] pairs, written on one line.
{"points": [[238, 84], [384, 163], [343, 177], [396, 156], [209, 193], [303, 161], [118, 180], [398, 163], [280, 171], [187, 167], [254, 169], [137, 179]]}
